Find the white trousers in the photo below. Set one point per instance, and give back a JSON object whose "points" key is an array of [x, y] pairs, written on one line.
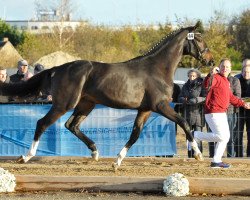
{"points": [[220, 134]]}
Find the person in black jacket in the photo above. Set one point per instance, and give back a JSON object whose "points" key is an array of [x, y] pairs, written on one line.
{"points": [[192, 95], [23, 73], [244, 114]]}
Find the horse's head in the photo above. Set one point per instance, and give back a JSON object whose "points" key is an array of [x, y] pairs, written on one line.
{"points": [[196, 47]]}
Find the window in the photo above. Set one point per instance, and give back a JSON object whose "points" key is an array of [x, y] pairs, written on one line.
{"points": [[45, 27], [34, 27], [24, 27]]}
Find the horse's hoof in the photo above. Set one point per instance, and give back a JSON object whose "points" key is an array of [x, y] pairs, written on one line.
{"points": [[20, 160], [95, 155], [115, 167], [199, 157]]}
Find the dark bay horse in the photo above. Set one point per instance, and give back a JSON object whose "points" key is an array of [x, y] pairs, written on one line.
{"points": [[144, 83]]}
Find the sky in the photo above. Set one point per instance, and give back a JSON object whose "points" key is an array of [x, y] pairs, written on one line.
{"points": [[130, 12]]}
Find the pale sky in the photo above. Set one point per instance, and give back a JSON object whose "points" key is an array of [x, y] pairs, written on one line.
{"points": [[121, 12]]}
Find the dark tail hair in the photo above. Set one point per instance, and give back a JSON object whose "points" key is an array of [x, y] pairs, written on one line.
{"points": [[31, 86]]}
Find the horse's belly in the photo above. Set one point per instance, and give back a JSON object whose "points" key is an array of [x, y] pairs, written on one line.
{"points": [[118, 91], [117, 98], [126, 100]]}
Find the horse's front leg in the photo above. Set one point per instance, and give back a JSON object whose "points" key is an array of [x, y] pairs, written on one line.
{"points": [[42, 125], [164, 109], [140, 120]]}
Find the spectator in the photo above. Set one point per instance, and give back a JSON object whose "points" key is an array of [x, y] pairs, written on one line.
{"points": [[38, 68], [191, 96], [4, 78], [244, 115], [217, 101], [45, 94], [22, 73], [232, 116], [245, 63]]}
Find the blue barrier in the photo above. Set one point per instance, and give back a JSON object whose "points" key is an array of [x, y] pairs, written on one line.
{"points": [[109, 128]]}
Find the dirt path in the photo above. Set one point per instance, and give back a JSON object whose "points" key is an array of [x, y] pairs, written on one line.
{"points": [[143, 167]]}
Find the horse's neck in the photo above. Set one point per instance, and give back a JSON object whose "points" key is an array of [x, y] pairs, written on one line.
{"points": [[164, 41], [168, 57]]}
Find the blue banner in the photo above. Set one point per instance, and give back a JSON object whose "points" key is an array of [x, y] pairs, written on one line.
{"points": [[109, 128]]}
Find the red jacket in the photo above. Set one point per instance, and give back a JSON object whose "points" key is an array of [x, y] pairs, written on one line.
{"points": [[219, 95]]}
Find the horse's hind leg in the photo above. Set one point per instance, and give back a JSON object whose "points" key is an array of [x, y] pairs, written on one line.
{"points": [[140, 120], [164, 109], [41, 126], [73, 124]]}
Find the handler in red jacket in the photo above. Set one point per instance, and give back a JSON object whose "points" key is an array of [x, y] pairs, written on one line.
{"points": [[217, 101]]}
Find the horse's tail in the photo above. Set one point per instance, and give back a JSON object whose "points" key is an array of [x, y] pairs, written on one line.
{"points": [[29, 87]]}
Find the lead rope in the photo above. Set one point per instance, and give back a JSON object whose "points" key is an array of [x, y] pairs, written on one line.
{"points": [[210, 83]]}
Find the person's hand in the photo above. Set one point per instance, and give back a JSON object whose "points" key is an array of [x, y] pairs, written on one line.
{"points": [[214, 70], [49, 98], [247, 105], [200, 99]]}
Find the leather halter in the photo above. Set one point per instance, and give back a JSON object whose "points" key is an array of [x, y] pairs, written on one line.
{"points": [[200, 52]]}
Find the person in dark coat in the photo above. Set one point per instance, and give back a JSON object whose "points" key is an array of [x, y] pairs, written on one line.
{"points": [[192, 95], [244, 114], [232, 116], [23, 73]]}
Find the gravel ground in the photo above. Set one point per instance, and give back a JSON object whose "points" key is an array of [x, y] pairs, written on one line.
{"points": [[135, 167]]}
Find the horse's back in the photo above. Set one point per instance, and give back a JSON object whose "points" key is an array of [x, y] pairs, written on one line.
{"points": [[67, 82]]}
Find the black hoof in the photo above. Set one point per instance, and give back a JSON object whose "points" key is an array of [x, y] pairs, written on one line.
{"points": [[20, 160]]}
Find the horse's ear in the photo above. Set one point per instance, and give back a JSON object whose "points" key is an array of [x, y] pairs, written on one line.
{"points": [[198, 25]]}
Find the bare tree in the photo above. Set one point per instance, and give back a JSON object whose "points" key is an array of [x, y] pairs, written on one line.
{"points": [[60, 12]]}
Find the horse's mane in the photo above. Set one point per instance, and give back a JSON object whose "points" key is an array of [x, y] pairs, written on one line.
{"points": [[158, 45]]}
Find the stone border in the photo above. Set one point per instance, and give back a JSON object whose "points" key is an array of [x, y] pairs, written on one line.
{"points": [[218, 186]]}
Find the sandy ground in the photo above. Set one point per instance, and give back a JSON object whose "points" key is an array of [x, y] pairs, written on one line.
{"points": [[136, 167]]}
